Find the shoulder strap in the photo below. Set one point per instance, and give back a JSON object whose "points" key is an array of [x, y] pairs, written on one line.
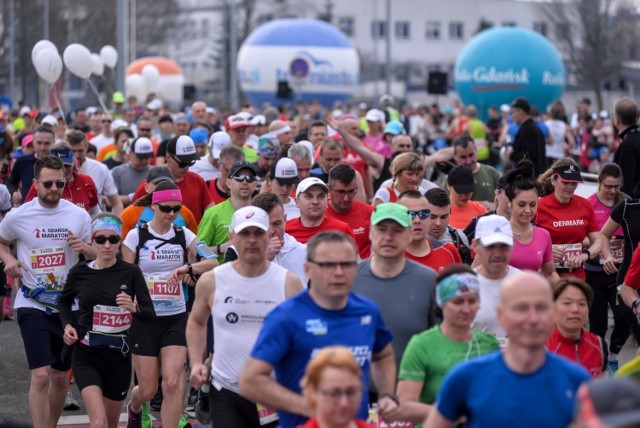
{"points": [[182, 240], [143, 236], [454, 235]]}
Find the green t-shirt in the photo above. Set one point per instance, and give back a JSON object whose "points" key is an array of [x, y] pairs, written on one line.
{"points": [[214, 226], [430, 355], [486, 180], [250, 155]]}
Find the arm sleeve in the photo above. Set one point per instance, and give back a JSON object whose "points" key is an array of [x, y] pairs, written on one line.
{"points": [[143, 299], [5, 199], [412, 365], [451, 397], [632, 278], [131, 241], [383, 334], [618, 211], [273, 341], [547, 256], [189, 219], [205, 228]]}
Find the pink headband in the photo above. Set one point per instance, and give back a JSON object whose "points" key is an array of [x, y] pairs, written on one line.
{"points": [[166, 195]]}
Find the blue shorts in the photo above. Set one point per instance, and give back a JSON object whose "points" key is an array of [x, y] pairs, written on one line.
{"points": [[42, 336]]}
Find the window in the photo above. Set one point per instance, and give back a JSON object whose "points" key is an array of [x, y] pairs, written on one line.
{"points": [[540, 27], [509, 24], [403, 30], [346, 25], [456, 30], [378, 29], [433, 30], [562, 31]]}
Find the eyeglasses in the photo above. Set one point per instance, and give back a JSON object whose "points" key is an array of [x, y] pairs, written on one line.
{"points": [[332, 266], [352, 394], [241, 178], [182, 164], [423, 214], [49, 183], [611, 186], [343, 193], [101, 239], [167, 209]]}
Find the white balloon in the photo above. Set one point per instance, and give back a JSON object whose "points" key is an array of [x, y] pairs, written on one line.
{"points": [[41, 46], [134, 84], [109, 56], [151, 74], [48, 65], [97, 66], [77, 58]]}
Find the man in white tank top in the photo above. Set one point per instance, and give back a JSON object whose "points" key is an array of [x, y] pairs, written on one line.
{"points": [[238, 295]]}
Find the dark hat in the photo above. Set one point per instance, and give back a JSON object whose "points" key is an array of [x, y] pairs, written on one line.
{"points": [[461, 179], [613, 402], [569, 173], [522, 104], [240, 165], [183, 148], [142, 147], [156, 174], [65, 155]]}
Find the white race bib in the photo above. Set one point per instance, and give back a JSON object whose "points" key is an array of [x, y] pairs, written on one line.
{"points": [[111, 319], [161, 291], [616, 247], [570, 250], [48, 260]]}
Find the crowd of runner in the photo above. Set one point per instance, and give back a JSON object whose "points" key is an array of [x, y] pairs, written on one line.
{"points": [[321, 267]]}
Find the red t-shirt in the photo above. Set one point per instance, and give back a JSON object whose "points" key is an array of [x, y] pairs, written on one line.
{"points": [[567, 223], [632, 278], [359, 219], [461, 217], [195, 194], [302, 234], [82, 192], [353, 159], [214, 193], [439, 257]]}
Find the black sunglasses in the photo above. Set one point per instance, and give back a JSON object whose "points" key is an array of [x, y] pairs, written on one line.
{"points": [[106, 121], [422, 214], [182, 164], [101, 239], [49, 183], [167, 209], [241, 178]]}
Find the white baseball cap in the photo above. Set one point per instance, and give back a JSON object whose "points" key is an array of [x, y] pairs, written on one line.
{"points": [[142, 147], [258, 119], [494, 229], [308, 183], [49, 120], [249, 216], [183, 148], [154, 104], [217, 142], [285, 171], [374, 115]]}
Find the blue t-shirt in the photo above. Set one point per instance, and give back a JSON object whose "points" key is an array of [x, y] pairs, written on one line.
{"points": [[488, 393], [297, 328]]}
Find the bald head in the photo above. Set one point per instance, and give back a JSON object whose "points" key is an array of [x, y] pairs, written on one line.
{"points": [[626, 111], [526, 310]]}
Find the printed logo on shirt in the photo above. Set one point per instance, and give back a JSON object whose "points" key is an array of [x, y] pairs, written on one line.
{"points": [[365, 320], [568, 223], [316, 327], [54, 233], [123, 286], [358, 231], [232, 318], [170, 255], [228, 299]]}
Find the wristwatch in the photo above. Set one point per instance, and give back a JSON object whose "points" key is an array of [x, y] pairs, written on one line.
{"points": [[587, 252]]}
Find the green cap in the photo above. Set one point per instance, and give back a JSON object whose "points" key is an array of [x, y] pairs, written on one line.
{"points": [[391, 211], [118, 97]]}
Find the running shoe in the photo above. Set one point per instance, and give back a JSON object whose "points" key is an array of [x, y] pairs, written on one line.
{"points": [[202, 408], [70, 403], [135, 419], [192, 400]]}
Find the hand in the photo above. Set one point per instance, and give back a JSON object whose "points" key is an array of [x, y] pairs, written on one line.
{"points": [[14, 268], [16, 198], [558, 254], [125, 301], [388, 409], [199, 375], [274, 247], [70, 335], [577, 260], [333, 122], [176, 276], [75, 242], [610, 265]]}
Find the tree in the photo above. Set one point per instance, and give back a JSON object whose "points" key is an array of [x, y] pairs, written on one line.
{"points": [[591, 33]]}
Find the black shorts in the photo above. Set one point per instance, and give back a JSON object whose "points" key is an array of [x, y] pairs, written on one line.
{"points": [[42, 336], [147, 338], [229, 409], [109, 370]]}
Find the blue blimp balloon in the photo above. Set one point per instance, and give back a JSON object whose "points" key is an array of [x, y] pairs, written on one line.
{"points": [[317, 60], [501, 64]]}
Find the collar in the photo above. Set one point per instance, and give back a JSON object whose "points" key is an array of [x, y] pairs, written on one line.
{"points": [[567, 340], [632, 128]]}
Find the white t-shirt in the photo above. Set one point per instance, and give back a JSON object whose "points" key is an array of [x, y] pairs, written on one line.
{"points": [[486, 318], [41, 240], [157, 260], [557, 132], [204, 169], [101, 176], [291, 209], [101, 140], [292, 257]]}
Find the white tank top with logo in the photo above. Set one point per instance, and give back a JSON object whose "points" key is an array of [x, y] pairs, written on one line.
{"points": [[240, 305]]}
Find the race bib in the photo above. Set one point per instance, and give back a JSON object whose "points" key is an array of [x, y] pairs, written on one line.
{"points": [[266, 414], [570, 250], [161, 291], [616, 246], [376, 421], [111, 319], [48, 260]]}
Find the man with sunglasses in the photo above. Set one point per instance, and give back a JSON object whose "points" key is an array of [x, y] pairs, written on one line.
{"points": [[214, 227], [49, 232], [106, 135], [423, 249], [343, 206], [403, 289]]}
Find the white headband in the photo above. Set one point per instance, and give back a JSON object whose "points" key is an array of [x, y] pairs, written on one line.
{"points": [[282, 130]]}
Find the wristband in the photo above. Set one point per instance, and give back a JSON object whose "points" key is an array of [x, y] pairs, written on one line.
{"points": [[189, 269], [394, 397], [587, 252], [218, 250], [635, 304]]}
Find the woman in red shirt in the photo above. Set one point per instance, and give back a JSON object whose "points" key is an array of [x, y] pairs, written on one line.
{"points": [[568, 218], [569, 338]]}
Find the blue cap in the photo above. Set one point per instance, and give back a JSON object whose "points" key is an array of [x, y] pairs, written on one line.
{"points": [[394, 127], [199, 136], [65, 155]]}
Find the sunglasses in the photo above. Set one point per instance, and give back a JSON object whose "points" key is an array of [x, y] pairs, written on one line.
{"points": [[101, 239], [167, 209], [144, 129], [106, 121], [183, 164], [423, 214], [49, 183], [241, 178]]}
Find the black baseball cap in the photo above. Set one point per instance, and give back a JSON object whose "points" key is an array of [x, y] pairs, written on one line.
{"points": [[461, 179], [568, 173], [156, 174], [240, 165]]}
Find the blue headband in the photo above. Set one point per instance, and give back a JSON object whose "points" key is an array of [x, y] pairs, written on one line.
{"points": [[454, 285], [106, 223]]}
